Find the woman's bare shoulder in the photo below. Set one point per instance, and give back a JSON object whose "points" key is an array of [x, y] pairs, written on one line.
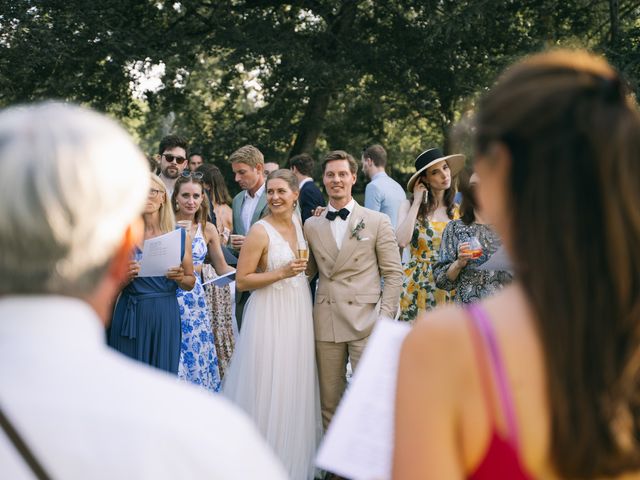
{"points": [[444, 322], [258, 233], [439, 338], [210, 230], [224, 208]]}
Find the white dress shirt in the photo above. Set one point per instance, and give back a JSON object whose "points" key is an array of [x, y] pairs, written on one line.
{"points": [[304, 180], [249, 206], [87, 411], [339, 226]]}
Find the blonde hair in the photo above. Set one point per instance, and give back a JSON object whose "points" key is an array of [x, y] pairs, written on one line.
{"points": [[248, 155], [167, 219]]}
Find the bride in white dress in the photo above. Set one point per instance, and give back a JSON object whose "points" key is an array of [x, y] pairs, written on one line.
{"points": [[272, 375]]}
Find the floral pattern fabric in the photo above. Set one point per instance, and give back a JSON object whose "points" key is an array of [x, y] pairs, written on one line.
{"points": [[219, 300], [472, 284], [419, 291], [198, 358]]}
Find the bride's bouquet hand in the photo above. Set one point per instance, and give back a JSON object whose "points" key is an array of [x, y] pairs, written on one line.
{"points": [[293, 268]]}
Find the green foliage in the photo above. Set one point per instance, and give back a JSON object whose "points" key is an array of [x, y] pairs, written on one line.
{"points": [[297, 75]]}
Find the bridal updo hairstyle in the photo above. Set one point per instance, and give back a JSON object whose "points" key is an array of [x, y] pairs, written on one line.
{"points": [[286, 175], [573, 134]]}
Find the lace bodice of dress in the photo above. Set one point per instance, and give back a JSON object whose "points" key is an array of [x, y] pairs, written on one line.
{"points": [[280, 252]]}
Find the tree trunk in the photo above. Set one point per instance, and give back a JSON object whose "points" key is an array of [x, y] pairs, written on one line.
{"points": [[312, 122], [314, 115], [614, 16]]}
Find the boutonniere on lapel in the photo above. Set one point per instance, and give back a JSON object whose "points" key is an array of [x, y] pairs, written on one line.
{"points": [[355, 232]]}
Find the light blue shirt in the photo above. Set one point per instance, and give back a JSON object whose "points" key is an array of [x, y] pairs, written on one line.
{"points": [[384, 194]]}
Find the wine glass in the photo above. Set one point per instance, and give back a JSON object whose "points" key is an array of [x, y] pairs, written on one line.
{"points": [[303, 250], [474, 248], [302, 253]]}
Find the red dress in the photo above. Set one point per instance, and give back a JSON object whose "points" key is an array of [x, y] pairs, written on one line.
{"points": [[502, 458]]}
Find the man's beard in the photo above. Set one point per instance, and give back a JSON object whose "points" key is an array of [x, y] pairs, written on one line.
{"points": [[169, 174]]}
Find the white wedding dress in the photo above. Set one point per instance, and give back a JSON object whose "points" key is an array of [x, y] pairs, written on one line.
{"points": [[272, 375]]}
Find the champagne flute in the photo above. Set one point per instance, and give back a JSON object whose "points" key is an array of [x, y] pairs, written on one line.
{"points": [[303, 250], [302, 253]]}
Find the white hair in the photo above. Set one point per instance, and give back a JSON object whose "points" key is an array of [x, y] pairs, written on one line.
{"points": [[71, 182]]}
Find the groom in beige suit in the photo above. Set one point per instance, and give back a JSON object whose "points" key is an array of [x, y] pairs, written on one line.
{"points": [[352, 249]]}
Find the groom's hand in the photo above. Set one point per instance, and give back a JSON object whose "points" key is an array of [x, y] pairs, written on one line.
{"points": [[318, 211]]}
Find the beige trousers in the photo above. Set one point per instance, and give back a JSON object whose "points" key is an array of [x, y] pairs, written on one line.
{"points": [[332, 372]]}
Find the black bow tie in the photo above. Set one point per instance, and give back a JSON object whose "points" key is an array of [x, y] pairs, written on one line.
{"points": [[343, 213]]}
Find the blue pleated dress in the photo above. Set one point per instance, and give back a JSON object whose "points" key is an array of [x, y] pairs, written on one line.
{"points": [[146, 321]]}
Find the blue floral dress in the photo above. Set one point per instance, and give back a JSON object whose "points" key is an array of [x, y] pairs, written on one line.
{"points": [[198, 359]]}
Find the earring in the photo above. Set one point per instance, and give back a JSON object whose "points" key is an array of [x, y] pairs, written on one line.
{"points": [[177, 207], [295, 203]]}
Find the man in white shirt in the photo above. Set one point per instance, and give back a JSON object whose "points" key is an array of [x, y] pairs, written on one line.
{"points": [[352, 249], [249, 205], [69, 218]]}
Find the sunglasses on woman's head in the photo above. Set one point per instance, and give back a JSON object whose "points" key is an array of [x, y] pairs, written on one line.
{"points": [[170, 158], [196, 175]]}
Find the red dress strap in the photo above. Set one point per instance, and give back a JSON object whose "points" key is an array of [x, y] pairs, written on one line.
{"points": [[484, 371], [502, 459]]}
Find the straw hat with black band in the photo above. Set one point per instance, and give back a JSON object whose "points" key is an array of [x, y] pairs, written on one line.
{"points": [[432, 156]]}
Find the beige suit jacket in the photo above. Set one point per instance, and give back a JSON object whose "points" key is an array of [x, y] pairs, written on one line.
{"points": [[349, 285]]}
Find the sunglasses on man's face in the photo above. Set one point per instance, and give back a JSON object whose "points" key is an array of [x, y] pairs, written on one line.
{"points": [[170, 158]]}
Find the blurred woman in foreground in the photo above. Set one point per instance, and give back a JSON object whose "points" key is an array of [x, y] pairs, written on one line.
{"points": [[540, 380]]}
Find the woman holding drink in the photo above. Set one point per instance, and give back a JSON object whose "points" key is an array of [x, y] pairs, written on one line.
{"points": [[198, 358], [421, 221], [273, 374], [467, 243]]}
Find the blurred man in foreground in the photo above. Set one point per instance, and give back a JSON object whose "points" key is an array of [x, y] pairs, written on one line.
{"points": [[71, 194]]}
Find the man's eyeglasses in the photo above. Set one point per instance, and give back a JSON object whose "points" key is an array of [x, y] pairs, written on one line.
{"points": [[196, 175], [153, 192], [170, 158]]}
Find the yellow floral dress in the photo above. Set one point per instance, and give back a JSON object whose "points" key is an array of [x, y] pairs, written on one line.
{"points": [[419, 291]]}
